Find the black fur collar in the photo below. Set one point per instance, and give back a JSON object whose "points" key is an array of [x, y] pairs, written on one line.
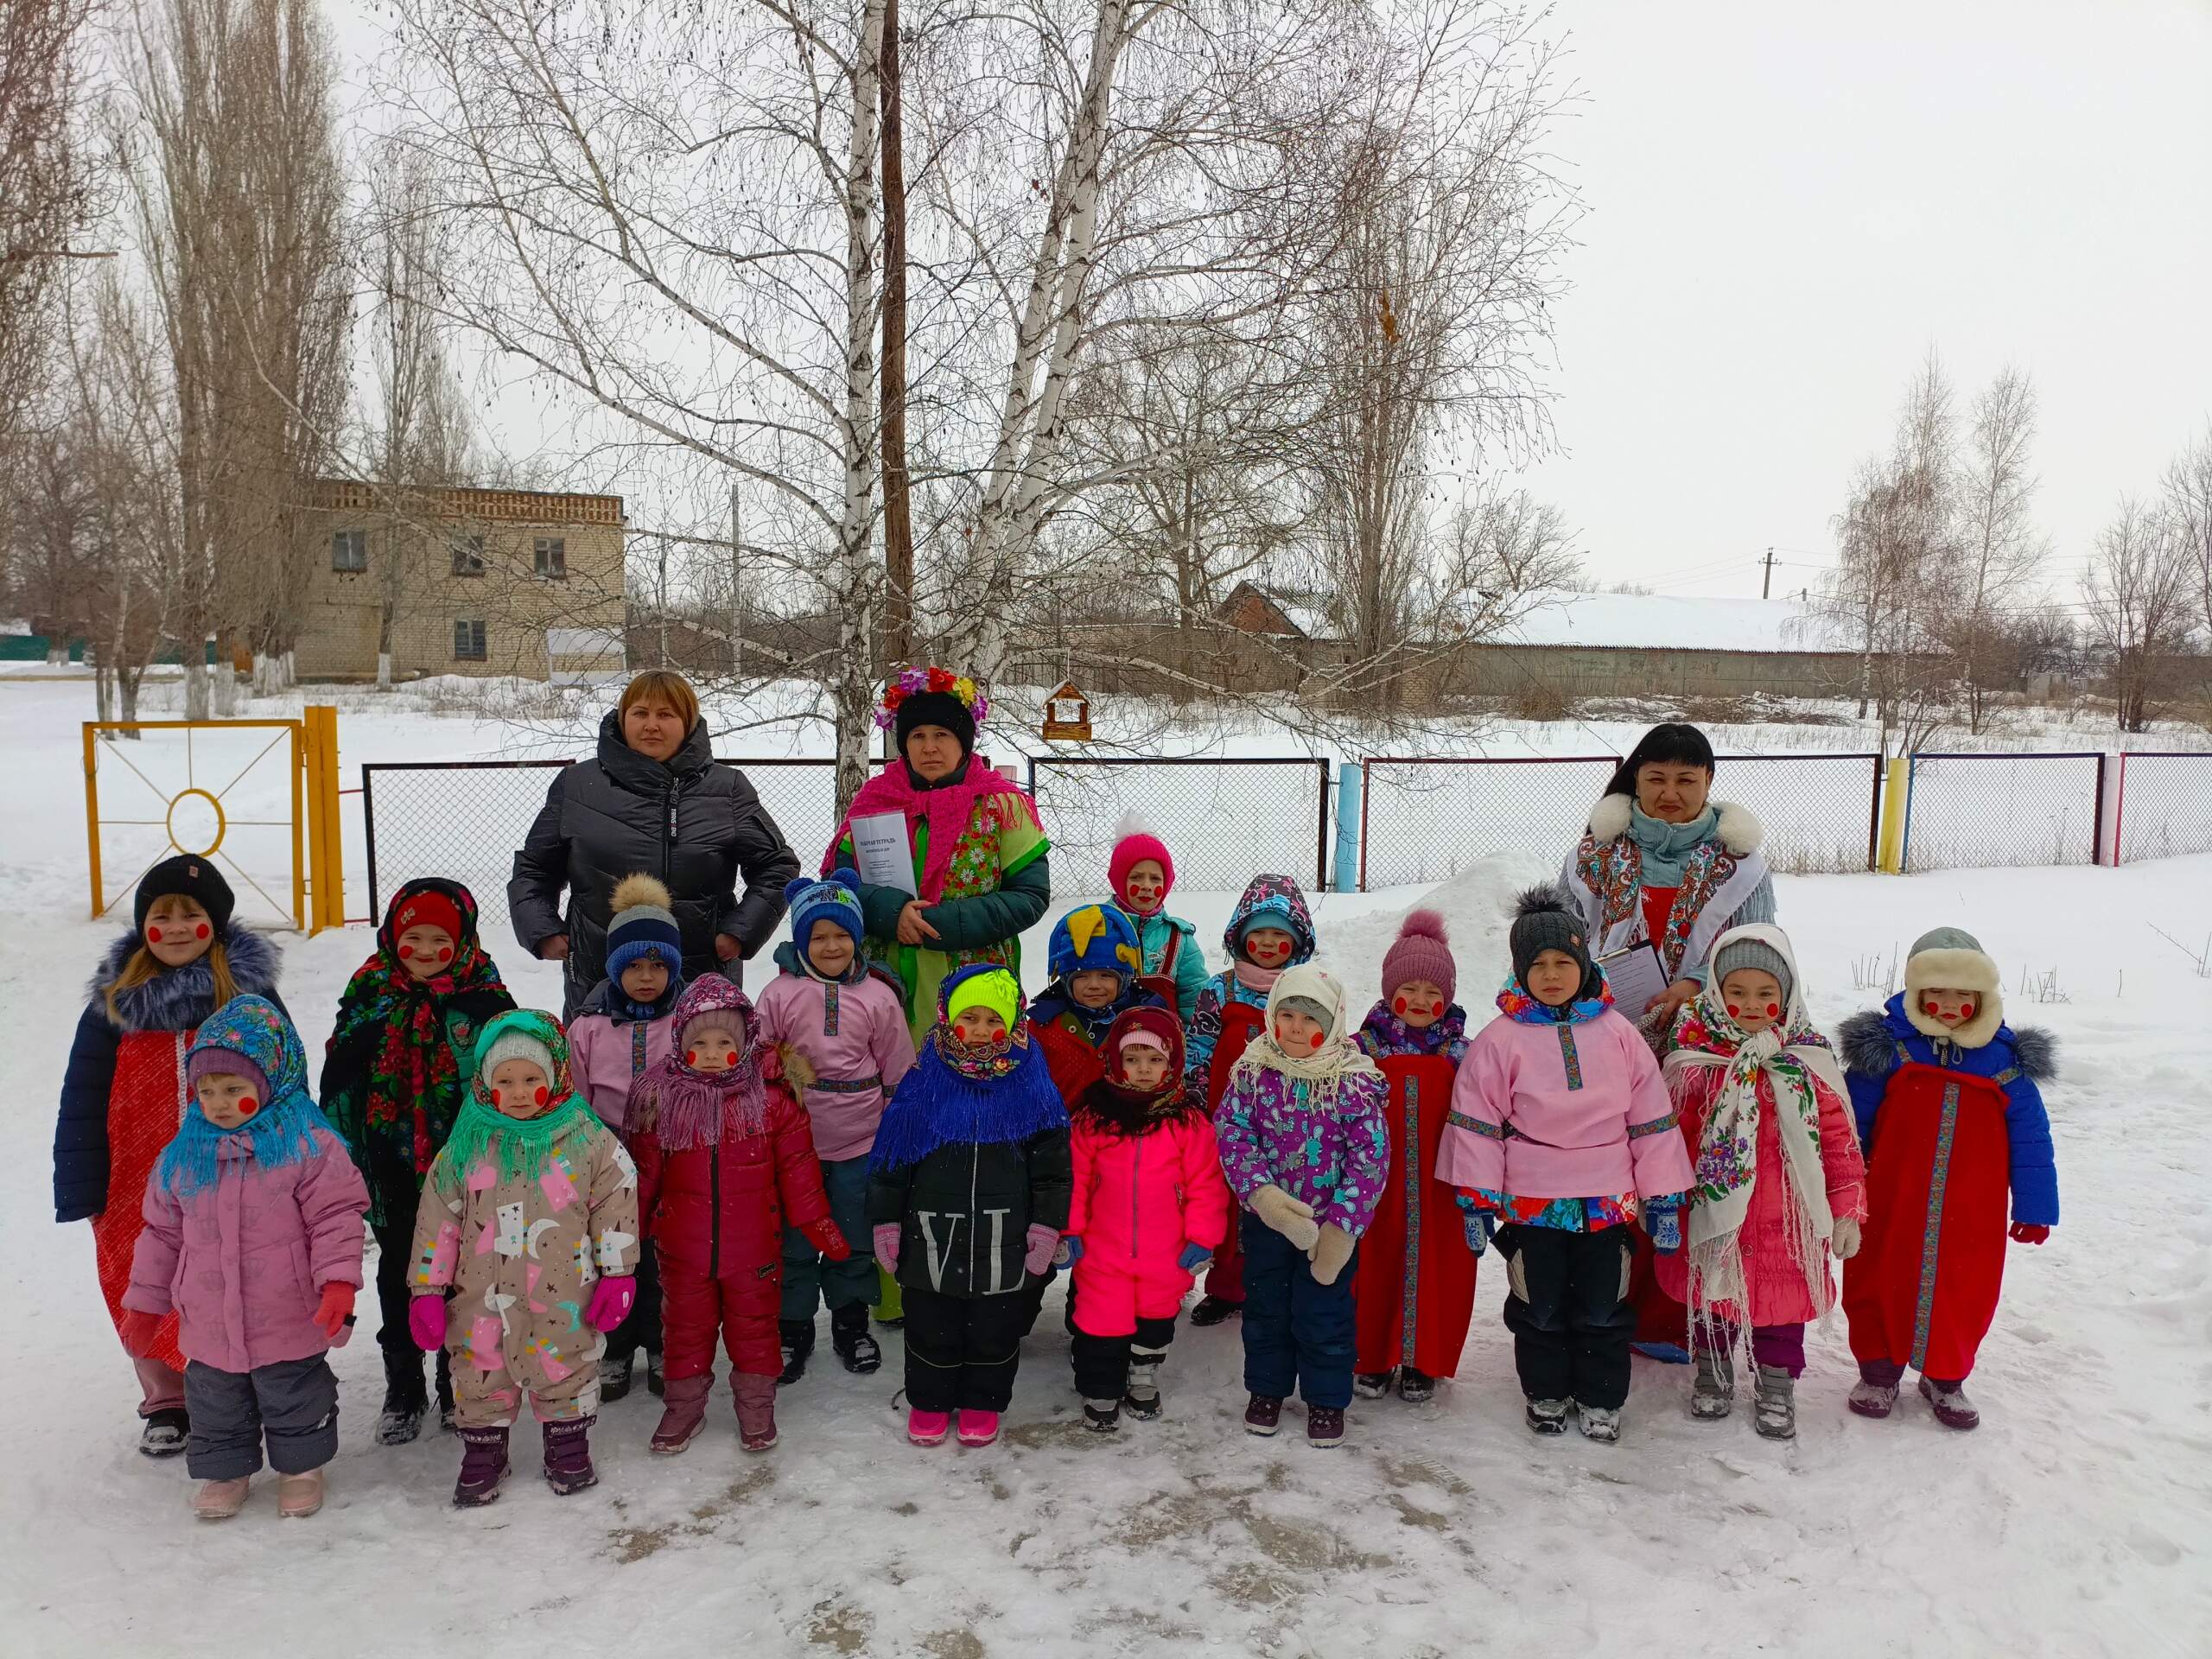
{"points": [[182, 997], [1124, 1112]]}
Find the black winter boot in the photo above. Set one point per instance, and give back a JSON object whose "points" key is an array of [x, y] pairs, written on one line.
{"points": [[405, 1399], [445, 1390], [568, 1456], [483, 1466], [164, 1433], [797, 1336], [1212, 1310], [849, 1336]]}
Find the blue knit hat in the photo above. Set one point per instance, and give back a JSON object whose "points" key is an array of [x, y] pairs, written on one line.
{"points": [[834, 898], [643, 924], [1097, 938]]}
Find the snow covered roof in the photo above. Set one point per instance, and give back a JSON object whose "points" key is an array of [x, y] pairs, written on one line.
{"points": [[1621, 620]]}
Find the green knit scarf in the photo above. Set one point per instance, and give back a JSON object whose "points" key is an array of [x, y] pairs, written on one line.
{"points": [[517, 1147]]}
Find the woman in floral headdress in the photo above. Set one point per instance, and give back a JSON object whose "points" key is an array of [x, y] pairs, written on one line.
{"points": [[978, 851]]}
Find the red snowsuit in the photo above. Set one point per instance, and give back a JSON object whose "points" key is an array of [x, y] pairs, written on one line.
{"points": [[716, 1217], [1240, 1023], [1415, 1290], [1139, 1198]]}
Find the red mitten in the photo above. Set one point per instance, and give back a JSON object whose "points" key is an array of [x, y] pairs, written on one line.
{"points": [[825, 1237], [2027, 1232], [139, 1331], [333, 1310]]}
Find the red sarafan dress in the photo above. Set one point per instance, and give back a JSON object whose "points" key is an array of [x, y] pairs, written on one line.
{"points": [[1414, 1293], [1240, 1023]]}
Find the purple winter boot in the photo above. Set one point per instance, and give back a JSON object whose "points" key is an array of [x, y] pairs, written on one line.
{"points": [[568, 1455], [483, 1466], [684, 1413]]}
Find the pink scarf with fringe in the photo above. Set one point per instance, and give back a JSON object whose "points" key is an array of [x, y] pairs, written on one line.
{"points": [[946, 808]]}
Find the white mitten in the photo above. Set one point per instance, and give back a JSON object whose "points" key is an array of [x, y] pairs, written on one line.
{"points": [[1844, 1240], [1293, 1219]]}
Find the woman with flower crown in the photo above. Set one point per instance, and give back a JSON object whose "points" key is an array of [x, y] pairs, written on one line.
{"points": [[978, 851]]}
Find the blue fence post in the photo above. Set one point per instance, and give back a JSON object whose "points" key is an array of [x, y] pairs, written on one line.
{"points": [[1349, 776]]}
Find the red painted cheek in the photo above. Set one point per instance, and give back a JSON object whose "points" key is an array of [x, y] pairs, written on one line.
{"points": [[539, 1095], [690, 1057], [499, 1098], [1965, 1010], [1773, 1010], [1403, 1007], [201, 932], [406, 951], [1314, 1041], [444, 951], [1733, 1010], [153, 936], [248, 1107]]}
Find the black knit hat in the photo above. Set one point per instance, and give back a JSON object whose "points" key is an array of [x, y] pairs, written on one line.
{"points": [[936, 709], [193, 877], [1545, 919]]}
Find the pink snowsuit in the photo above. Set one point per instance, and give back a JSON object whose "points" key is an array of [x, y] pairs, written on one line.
{"points": [[607, 1059], [1139, 1198], [1779, 1292], [244, 1262], [855, 1036]]}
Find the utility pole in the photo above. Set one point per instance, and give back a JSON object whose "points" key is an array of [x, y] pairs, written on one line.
{"points": [[1766, 587], [661, 604], [736, 594]]}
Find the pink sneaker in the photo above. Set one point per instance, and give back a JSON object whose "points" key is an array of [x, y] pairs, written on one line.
{"points": [[927, 1427], [978, 1427]]}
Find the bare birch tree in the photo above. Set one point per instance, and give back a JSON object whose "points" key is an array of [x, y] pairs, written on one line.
{"points": [[2001, 547], [2187, 499], [2140, 591]]}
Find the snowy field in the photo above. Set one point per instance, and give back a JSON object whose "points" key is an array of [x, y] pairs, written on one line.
{"points": [[2078, 1521]]}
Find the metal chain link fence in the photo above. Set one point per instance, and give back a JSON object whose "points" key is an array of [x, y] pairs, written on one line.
{"points": [[1820, 810], [2165, 805], [1968, 811], [463, 819], [1423, 821], [1226, 820]]}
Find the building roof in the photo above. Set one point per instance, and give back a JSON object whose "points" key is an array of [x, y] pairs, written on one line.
{"points": [[1665, 621], [459, 501]]}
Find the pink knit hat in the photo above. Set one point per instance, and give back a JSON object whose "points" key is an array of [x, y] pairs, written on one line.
{"points": [[1423, 950], [1132, 850]]}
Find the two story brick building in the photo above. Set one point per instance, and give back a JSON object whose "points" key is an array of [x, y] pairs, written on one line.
{"points": [[475, 582]]}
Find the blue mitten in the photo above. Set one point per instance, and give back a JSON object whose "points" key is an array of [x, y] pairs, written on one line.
{"points": [[1663, 1221], [1482, 1227], [1193, 1256], [1069, 1253]]}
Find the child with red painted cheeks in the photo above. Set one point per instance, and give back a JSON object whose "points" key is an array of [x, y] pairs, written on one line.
{"points": [[124, 1089], [394, 1075], [1748, 1073], [1142, 874], [1415, 1291], [1270, 931], [1949, 1112]]}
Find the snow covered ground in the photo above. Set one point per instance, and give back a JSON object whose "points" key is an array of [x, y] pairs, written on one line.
{"points": [[2077, 1522]]}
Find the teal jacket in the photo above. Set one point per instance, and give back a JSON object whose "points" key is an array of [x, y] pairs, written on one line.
{"points": [[1156, 933]]}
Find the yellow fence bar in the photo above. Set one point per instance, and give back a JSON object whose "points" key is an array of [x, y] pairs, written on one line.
{"points": [[93, 816], [326, 846], [1896, 789]]}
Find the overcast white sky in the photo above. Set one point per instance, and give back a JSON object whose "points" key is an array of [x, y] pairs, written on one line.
{"points": [[1790, 202]]}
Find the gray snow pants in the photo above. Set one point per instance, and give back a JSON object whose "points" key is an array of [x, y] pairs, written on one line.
{"points": [[294, 1403]]}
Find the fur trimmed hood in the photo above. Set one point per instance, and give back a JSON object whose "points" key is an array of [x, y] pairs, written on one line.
{"points": [[182, 998], [1957, 962], [1868, 1042], [1738, 828], [782, 1063]]}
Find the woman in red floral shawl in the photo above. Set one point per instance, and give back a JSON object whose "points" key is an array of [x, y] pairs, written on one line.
{"points": [[393, 1076]]}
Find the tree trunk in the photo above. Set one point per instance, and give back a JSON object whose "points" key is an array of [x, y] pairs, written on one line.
{"points": [[861, 577], [898, 518]]}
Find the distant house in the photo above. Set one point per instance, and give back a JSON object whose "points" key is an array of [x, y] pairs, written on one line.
{"points": [[479, 582], [1277, 613]]}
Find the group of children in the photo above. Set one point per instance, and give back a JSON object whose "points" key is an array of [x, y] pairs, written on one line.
{"points": [[682, 1166]]}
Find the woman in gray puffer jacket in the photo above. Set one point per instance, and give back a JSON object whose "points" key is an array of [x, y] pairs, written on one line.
{"points": [[653, 800]]}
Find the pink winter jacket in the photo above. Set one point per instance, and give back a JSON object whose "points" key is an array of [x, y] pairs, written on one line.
{"points": [[1519, 1125], [605, 1060], [1780, 1295], [243, 1262], [1139, 1198], [855, 1036]]}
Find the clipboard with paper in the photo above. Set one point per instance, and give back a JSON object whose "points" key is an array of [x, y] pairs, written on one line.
{"points": [[1637, 977], [880, 852]]}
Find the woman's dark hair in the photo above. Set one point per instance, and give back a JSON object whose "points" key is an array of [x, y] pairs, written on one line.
{"points": [[1674, 744]]}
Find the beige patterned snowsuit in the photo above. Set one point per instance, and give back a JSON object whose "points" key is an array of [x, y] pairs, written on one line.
{"points": [[521, 1257]]}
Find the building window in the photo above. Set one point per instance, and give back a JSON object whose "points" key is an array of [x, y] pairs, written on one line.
{"points": [[349, 549], [469, 556], [468, 642], [552, 553]]}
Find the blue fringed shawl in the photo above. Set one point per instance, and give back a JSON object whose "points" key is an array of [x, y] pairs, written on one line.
{"points": [[936, 1106]]}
